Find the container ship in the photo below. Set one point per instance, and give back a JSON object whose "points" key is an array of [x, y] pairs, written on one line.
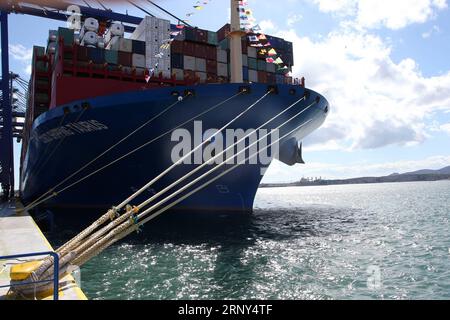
{"points": [[90, 89]]}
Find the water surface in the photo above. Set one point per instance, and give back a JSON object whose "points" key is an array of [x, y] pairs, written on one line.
{"points": [[381, 241]]}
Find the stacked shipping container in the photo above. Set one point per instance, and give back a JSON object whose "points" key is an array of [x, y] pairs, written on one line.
{"points": [[195, 55], [155, 33]]}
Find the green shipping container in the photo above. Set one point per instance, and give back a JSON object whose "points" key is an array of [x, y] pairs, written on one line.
{"points": [[262, 65], [225, 44], [252, 63], [212, 38], [39, 66], [67, 35], [111, 57]]}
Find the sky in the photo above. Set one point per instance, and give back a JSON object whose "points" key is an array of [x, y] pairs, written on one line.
{"points": [[384, 66]]}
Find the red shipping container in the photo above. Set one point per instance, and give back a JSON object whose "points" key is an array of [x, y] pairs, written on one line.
{"points": [[200, 50], [288, 80], [271, 78], [262, 77], [177, 47], [188, 48], [222, 79], [189, 75], [244, 46], [211, 78], [223, 32], [82, 53], [211, 53], [201, 35], [125, 59], [211, 66]]}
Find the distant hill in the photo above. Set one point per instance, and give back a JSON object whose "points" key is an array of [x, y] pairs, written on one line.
{"points": [[420, 175], [445, 170]]}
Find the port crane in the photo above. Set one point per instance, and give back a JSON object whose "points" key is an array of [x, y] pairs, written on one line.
{"points": [[13, 112]]}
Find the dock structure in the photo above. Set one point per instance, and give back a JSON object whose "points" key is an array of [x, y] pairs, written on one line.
{"points": [[19, 234]]}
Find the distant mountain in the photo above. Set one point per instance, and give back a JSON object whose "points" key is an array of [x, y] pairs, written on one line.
{"points": [[445, 170], [420, 175]]}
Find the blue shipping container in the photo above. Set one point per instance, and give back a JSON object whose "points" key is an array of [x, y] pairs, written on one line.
{"points": [[245, 73], [177, 61], [138, 47], [96, 55], [280, 78]]}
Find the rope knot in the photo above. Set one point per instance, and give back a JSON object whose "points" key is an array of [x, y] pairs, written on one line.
{"points": [[135, 221], [113, 213]]}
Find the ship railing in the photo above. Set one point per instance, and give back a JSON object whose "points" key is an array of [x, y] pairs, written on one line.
{"points": [[55, 279], [74, 67]]}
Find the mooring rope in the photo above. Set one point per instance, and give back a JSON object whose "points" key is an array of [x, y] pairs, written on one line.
{"points": [[131, 224], [129, 227], [115, 210], [54, 193], [148, 185], [125, 216], [109, 214], [145, 124], [94, 238]]}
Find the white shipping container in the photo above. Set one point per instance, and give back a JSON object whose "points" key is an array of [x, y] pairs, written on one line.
{"points": [[189, 63], [114, 41], [222, 69], [160, 66], [179, 73], [120, 44], [252, 75], [150, 24], [200, 65], [252, 52], [222, 56], [125, 45], [140, 72], [138, 60], [155, 33]]}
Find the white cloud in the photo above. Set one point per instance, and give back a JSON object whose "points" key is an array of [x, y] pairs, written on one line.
{"points": [[267, 26], [293, 19], [19, 52], [445, 128], [432, 31], [374, 101], [391, 14], [27, 70]]}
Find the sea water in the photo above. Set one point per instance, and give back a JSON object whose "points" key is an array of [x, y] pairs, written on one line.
{"points": [[378, 241]]}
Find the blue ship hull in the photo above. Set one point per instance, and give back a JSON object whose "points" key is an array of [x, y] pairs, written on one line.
{"points": [[66, 138]]}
